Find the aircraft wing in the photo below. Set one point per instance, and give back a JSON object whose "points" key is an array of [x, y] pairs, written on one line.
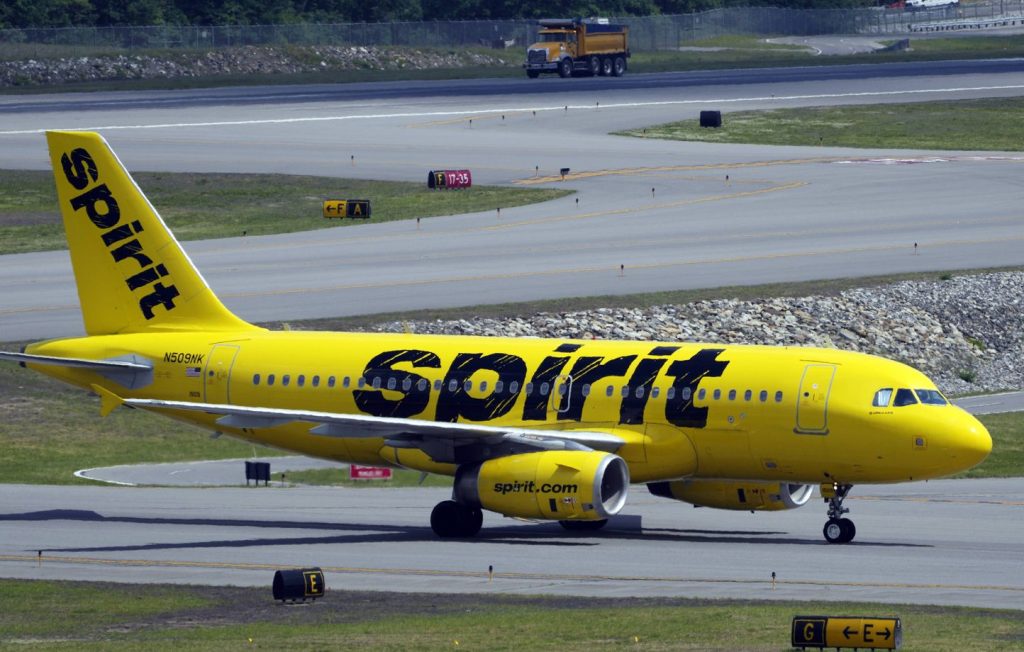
{"points": [[444, 442]]}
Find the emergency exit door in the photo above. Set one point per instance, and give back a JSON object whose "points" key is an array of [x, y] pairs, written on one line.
{"points": [[217, 375], [812, 403]]}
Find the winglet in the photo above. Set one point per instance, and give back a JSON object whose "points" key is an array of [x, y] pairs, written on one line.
{"points": [[109, 401]]}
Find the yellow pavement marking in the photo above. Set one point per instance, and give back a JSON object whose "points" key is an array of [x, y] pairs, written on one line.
{"points": [[588, 174], [483, 574]]}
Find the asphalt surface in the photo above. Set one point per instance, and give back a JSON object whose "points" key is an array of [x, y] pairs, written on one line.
{"points": [[942, 542], [675, 215], [782, 214]]}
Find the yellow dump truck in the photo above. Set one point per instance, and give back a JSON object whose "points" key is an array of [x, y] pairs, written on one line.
{"points": [[573, 46]]}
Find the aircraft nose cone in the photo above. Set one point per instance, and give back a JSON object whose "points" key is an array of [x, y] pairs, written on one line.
{"points": [[976, 443]]}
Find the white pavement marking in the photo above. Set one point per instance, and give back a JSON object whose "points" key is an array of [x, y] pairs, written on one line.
{"points": [[560, 107]]}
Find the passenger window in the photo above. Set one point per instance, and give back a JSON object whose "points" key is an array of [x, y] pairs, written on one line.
{"points": [[882, 397], [640, 391], [608, 391], [376, 382], [483, 385], [392, 382], [406, 384], [467, 385], [346, 382], [931, 397], [330, 381], [687, 393], [701, 393], [904, 397], [671, 393], [655, 392], [763, 396], [528, 389], [316, 381], [778, 397], [453, 385], [544, 387], [732, 394], [586, 390], [499, 386], [361, 383], [270, 379], [717, 394], [285, 379], [625, 391], [255, 379], [437, 384], [562, 389], [747, 395], [513, 387], [421, 384], [300, 381]]}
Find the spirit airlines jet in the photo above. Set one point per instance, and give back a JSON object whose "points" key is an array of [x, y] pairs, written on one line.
{"points": [[533, 428]]}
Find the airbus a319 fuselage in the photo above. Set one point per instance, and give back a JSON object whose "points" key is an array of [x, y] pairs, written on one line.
{"points": [[536, 428]]}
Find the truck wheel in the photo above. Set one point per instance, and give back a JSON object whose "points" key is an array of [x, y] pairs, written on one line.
{"points": [[606, 66], [533, 74], [595, 65], [565, 67], [619, 67]]}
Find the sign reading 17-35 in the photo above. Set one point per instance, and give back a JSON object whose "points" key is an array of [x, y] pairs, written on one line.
{"points": [[852, 632]]}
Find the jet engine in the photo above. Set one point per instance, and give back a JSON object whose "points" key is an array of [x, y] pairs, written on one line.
{"points": [[724, 494], [557, 485]]}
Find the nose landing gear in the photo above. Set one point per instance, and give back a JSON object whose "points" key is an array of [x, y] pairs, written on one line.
{"points": [[837, 529]]}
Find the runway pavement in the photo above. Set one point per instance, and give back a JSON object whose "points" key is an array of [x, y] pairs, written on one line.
{"points": [[675, 215], [942, 542]]}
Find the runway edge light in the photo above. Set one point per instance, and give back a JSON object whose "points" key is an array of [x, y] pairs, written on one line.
{"points": [[299, 584], [847, 632]]}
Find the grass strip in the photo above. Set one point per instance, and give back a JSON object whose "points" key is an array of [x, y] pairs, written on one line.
{"points": [[88, 616], [994, 124], [202, 206]]}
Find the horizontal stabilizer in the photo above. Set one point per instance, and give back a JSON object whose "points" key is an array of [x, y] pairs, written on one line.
{"points": [[79, 363]]}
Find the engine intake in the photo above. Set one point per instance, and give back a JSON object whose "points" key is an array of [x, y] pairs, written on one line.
{"points": [[557, 485], [753, 496]]}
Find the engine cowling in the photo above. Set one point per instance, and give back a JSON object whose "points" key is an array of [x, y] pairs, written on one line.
{"points": [[557, 485], [722, 494]]}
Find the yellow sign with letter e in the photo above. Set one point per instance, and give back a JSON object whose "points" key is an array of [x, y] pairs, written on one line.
{"points": [[848, 632]]}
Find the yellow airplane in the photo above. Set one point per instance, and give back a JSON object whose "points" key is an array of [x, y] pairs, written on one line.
{"points": [[533, 428]]}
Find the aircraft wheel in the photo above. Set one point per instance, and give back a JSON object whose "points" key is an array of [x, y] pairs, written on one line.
{"points": [[849, 530], [583, 526], [451, 519], [606, 66], [839, 530], [565, 67]]}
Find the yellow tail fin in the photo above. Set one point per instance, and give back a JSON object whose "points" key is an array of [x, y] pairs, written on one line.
{"points": [[132, 274]]}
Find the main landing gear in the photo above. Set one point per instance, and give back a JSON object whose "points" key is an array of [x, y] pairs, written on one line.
{"points": [[456, 520], [837, 529]]}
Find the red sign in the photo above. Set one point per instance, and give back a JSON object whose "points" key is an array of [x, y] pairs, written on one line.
{"points": [[449, 179], [357, 472]]}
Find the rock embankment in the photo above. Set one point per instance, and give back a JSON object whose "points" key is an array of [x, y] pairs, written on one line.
{"points": [[966, 332], [239, 61]]}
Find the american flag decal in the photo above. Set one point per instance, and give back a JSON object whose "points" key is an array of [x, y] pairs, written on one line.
{"points": [[193, 372]]}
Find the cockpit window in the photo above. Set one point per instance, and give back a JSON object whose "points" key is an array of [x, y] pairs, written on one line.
{"points": [[904, 397], [931, 396], [882, 397]]}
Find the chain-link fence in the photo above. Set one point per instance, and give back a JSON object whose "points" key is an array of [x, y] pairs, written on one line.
{"points": [[646, 32]]}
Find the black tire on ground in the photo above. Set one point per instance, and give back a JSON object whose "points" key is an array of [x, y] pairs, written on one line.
{"points": [[834, 530], [595, 65], [565, 67], [606, 66], [619, 67], [533, 74], [849, 530], [451, 519], [583, 526]]}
